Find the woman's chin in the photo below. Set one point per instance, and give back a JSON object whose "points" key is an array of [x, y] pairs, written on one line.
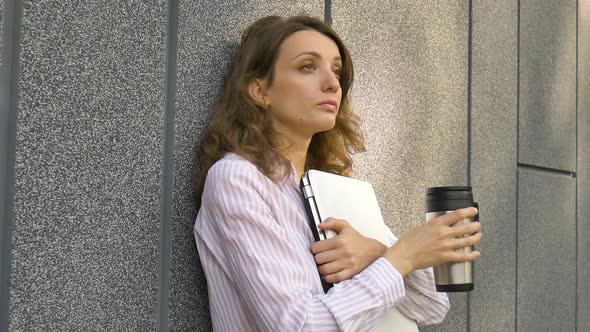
{"points": [[326, 126], [318, 125]]}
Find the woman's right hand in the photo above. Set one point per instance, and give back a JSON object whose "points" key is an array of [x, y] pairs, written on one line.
{"points": [[436, 242]]}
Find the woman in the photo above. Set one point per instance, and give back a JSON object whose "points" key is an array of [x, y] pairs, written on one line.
{"points": [[284, 109]]}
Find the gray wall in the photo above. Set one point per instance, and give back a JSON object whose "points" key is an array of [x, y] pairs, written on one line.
{"points": [[1, 25], [203, 54], [494, 95], [88, 166], [546, 186], [113, 100], [411, 89], [583, 170]]}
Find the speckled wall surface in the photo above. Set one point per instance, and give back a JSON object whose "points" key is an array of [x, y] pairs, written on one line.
{"points": [[494, 153], [88, 166], [411, 91], [90, 130], [583, 169], [546, 271], [546, 293], [6, 165], [1, 28], [208, 32], [547, 127]]}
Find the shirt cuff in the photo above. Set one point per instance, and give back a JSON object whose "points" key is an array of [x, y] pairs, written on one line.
{"points": [[386, 278]]}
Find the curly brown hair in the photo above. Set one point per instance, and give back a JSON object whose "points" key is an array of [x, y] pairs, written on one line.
{"points": [[242, 126]]}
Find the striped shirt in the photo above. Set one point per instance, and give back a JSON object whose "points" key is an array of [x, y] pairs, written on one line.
{"points": [[254, 244]]}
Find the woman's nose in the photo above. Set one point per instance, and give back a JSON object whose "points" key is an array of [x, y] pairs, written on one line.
{"points": [[330, 81]]}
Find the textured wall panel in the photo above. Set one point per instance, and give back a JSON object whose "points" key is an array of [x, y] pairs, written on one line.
{"points": [[547, 128], [88, 166], [546, 292], [411, 91], [1, 29], [583, 174], [493, 111], [208, 34]]}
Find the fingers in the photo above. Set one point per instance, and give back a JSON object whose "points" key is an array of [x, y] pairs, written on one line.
{"points": [[466, 229], [463, 242], [452, 217], [457, 257], [336, 270], [329, 244], [333, 267], [327, 256], [334, 224], [339, 276]]}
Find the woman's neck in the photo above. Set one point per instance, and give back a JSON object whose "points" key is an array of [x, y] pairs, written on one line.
{"points": [[298, 159], [296, 152]]}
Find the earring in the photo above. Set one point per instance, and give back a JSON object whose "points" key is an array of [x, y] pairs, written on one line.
{"points": [[266, 104]]}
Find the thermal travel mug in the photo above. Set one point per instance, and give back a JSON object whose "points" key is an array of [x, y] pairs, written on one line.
{"points": [[451, 277]]}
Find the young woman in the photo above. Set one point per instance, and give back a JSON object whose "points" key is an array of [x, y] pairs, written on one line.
{"points": [[284, 109]]}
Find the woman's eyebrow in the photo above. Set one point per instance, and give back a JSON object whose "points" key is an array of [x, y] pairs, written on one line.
{"points": [[314, 54]]}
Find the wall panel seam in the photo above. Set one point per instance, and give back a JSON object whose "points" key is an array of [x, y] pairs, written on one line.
{"points": [[576, 194], [517, 158], [166, 190], [469, 119], [546, 169], [328, 11], [9, 85]]}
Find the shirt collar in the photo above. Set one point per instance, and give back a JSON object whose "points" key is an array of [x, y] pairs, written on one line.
{"points": [[293, 176]]}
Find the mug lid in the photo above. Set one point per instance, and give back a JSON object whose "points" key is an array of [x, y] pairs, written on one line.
{"points": [[437, 190]]}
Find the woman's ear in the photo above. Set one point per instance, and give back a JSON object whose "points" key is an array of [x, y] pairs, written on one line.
{"points": [[257, 91]]}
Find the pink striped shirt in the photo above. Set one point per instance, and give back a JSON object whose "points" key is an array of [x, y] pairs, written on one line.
{"points": [[254, 243]]}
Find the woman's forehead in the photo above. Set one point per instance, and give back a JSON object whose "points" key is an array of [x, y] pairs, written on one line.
{"points": [[310, 43]]}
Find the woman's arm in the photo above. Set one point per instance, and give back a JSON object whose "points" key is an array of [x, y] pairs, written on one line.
{"points": [[262, 264], [342, 260], [422, 302]]}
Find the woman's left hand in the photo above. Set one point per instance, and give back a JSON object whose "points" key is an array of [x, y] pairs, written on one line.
{"points": [[343, 256]]}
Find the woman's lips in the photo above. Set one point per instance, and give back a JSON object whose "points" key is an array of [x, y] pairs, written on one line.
{"points": [[328, 107]]}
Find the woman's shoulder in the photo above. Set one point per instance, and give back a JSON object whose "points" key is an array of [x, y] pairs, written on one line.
{"points": [[232, 177], [231, 164], [234, 169]]}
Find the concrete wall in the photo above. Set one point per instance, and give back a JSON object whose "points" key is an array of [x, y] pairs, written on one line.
{"points": [[203, 54], [546, 220], [112, 100], [583, 170], [88, 166], [494, 95], [411, 89], [1, 26]]}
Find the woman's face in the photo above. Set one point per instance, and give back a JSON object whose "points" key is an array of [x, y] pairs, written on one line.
{"points": [[305, 94]]}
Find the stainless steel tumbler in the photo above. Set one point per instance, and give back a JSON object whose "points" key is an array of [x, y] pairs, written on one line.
{"points": [[451, 277]]}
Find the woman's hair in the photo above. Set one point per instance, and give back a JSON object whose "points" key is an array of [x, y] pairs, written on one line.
{"points": [[242, 126]]}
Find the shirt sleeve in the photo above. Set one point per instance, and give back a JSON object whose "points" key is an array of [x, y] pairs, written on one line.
{"points": [[422, 302], [262, 265]]}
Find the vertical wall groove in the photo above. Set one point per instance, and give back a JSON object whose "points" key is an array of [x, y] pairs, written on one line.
{"points": [[167, 169], [8, 117], [328, 11], [516, 166], [576, 202], [469, 73]]}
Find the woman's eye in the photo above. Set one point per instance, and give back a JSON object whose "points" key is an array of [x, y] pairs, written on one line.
{"points": [[308, 66], [337, 72]]}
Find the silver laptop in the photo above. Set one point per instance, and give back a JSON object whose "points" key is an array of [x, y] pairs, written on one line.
{"points": [[329, 195]]}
